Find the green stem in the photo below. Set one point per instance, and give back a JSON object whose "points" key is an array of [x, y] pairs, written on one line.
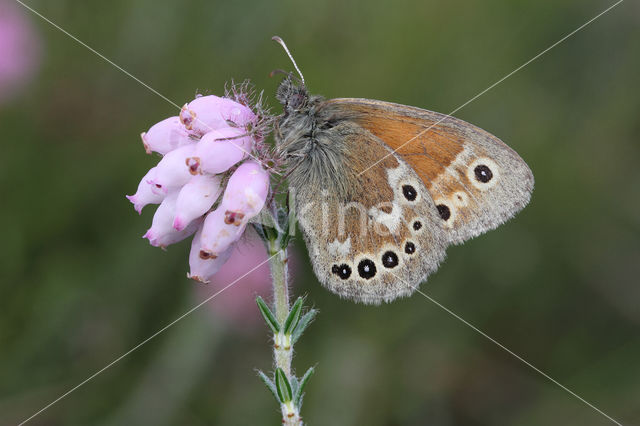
{"points": [[283, 348], [280, 275]]}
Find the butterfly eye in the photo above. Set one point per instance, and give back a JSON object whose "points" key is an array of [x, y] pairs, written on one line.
{"points": [[296, 101], [417, 225], [390, 259], [444, 211], [367, 269], [409, 247], [409, 192], [343, 271], [483, 173]]}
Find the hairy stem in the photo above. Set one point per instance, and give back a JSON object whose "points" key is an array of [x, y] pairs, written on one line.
{"points": [[282, 348], [280, 275]]}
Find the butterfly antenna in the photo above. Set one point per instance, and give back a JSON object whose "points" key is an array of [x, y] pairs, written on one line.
{"points": [[284, 46]]}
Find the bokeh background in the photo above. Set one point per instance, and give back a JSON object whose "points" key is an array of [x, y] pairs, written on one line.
{"points": [[558, 285]]}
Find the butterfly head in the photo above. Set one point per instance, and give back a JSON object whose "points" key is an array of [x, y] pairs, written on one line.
{"points": [[293, 95]]}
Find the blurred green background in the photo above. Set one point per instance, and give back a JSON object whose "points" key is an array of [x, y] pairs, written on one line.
{"points": [[557, 285]]}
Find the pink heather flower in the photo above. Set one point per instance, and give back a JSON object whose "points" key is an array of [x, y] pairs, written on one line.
{"points": [[146, 193], [220, 149], [201, 150], [196, 198], [219, 231], [202, 266], [19, 49], [162, 233], [166, 136], [206, 113], [174, 170], [246, 191]]}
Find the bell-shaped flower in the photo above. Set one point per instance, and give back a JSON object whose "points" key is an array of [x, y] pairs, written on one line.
{"points": [[162, 233], [195, 199], [175, 169], [206, 113], [218, 150], [146, 193], [166, 136], [201, 264], [246, 192], [219, 232], [201, 148]]}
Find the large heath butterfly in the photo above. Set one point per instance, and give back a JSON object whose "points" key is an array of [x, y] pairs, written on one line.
{"points": [[381, 189]]}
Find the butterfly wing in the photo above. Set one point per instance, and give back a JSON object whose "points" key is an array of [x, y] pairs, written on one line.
{"points": [[371, 237], [475, 180]]}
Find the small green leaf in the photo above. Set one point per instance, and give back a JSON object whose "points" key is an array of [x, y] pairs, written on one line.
{"points": [[302, 325], [284, 226], [294, 385], [283, 387], [265, 225], [300, 387], [284, 241], [294, 316], [291, 222], [260, 231], [268, 316], [269, 383]]}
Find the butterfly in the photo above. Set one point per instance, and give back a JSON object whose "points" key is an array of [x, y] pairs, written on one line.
{"points": [[381, 189]]}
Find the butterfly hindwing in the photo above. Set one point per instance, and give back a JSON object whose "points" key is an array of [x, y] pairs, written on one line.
{"points": [[476, 181]]}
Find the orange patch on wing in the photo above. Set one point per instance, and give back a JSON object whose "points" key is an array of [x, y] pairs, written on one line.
{"points": [[428, 148]]}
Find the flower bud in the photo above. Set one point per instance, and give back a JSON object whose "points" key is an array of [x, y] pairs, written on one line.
{"points": [[218, 234], [202, 265], [145, 193], [206, 113], [220, 149], [175, 169], [166, 136], [162, 233], [246, 192], [195, 199]]}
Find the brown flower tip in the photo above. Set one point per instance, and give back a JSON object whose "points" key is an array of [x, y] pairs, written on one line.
{"points": [[193, 163], [198, 278], [147, 148], [205, 255], [233, 218], [187, 116]]}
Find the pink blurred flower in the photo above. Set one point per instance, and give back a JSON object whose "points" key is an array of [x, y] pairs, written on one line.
{"points": [[237, 304], [20, 50], [208, 144]]}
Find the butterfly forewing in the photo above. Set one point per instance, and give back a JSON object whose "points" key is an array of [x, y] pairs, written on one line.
{"points": [[475, 180]]}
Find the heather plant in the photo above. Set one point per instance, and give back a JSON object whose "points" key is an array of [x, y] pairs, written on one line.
{"points": [[212, 182]]}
